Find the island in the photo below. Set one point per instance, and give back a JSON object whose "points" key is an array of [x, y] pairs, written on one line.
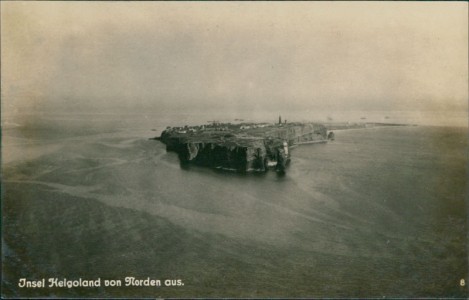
{"points": [[241, 147]]}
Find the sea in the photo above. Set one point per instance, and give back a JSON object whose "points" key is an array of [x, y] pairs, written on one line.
{"points": [[378, 212]]}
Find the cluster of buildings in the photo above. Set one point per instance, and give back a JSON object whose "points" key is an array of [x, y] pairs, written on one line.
{"points": [[198, 128], [184, 129], [250, 126], [217, 126]]}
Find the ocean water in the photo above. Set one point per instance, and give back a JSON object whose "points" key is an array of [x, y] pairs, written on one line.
{"points": [[378, 212]]}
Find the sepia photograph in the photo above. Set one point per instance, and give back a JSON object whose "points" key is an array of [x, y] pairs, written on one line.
{"points": [[234, 149]]}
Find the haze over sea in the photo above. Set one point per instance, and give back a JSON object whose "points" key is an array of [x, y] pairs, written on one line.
{"points": [[377, 212]]}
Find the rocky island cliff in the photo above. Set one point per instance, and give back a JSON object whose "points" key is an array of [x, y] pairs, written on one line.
{"points": [[245, 147]]}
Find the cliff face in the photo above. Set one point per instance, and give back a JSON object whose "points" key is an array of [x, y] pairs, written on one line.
{"points": [[239, 148], [237, 154], [220, 155]]}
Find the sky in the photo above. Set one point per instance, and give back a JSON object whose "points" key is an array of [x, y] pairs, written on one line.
{"points": [[246, 56]]}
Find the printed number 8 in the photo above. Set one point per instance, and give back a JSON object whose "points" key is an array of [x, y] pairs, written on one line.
{"points": [[462, 282]]}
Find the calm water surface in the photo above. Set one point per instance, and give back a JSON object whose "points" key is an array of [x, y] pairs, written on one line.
{"points": [[378, 212]]}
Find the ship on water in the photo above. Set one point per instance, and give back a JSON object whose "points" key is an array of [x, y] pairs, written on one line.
{"points": [[243, 147]]}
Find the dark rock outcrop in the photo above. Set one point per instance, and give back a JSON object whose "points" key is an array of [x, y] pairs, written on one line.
{"points": [[242, 147]]}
